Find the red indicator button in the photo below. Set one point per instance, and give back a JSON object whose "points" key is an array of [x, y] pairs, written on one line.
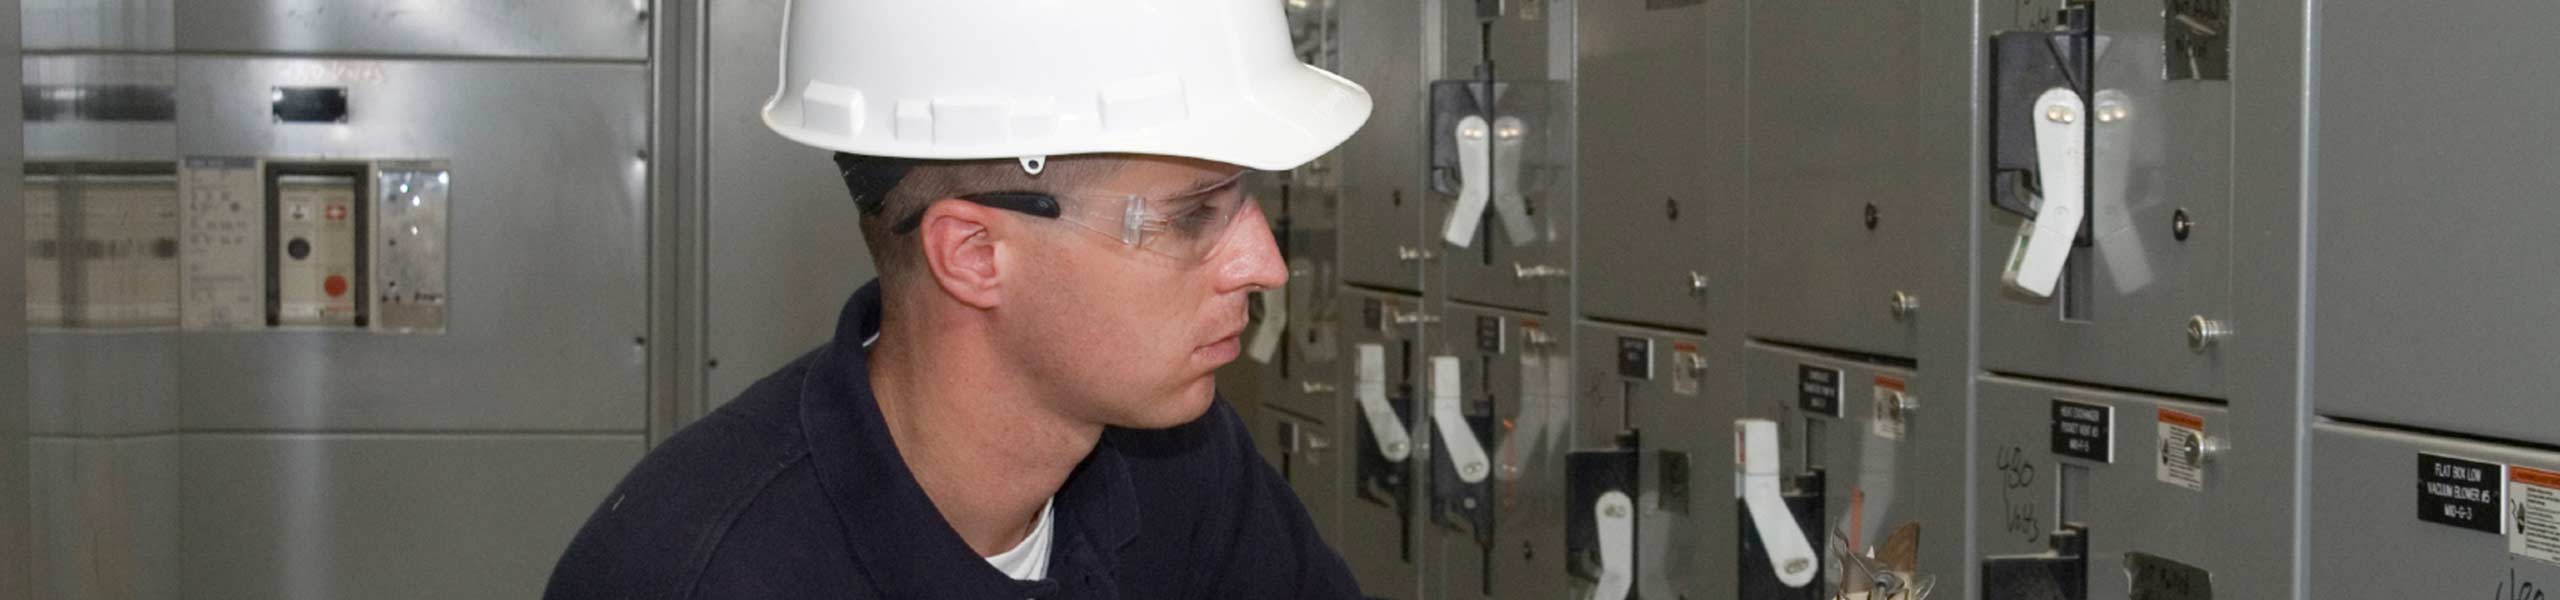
{"points": [[336, 286]]}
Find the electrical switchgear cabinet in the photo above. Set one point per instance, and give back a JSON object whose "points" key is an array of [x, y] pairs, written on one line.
{"points": [[1660, 153], [2433, 288]]}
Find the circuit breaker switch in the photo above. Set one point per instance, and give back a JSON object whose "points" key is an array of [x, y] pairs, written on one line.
{"points": [[2062, 150], [1466, 454], [1370, 387], [1757, 482]]}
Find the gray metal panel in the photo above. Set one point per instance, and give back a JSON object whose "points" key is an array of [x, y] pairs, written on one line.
{"points": [[15, 529], [1536, 90], [548, 250], [1889, 478], [1304, 379], [1314, 463], [1372, 534], [1660, 159], [2126, 508], [94, 384], [1684, 547], [1382, 165], [2433, 286], [784, 238], [2366, 539], [340, 516], [584, 29], [106, 513], [2171, 150], [97, 24], [67, 139], [1525, 557], [1838, 126]]}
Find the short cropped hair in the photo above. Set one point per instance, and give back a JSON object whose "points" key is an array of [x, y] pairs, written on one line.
{"points": [[889, 190]]}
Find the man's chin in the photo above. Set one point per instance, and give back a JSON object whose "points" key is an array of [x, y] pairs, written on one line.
{"points": [[1176, 410]]}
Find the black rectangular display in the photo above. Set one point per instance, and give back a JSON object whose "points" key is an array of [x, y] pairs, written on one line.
{"points": [[2463, 493], [1818, 391], [1635, 357], [2084, 431]]}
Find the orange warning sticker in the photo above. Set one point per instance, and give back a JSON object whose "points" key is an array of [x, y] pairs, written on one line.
{"points": [[2181, 419], [2181, 450]]}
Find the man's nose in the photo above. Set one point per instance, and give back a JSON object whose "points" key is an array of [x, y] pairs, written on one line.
{"points": [[1251, 259]]}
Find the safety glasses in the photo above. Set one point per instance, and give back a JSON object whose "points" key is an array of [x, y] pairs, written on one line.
{"points": [[1184, 227]]}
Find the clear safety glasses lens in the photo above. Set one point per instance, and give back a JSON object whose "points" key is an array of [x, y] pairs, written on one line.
{"points": [[1185, 227]]}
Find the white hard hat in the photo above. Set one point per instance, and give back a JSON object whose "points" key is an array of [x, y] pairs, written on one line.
{"points": [[986, 79]]}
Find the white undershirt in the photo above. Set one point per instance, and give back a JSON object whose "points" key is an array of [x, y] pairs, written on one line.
{"points": [[1029, 560]]}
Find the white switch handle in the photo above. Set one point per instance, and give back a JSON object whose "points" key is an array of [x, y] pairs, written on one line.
{"points": [[1756, 456], [1370, 387], [1507, 202], [1474, 181], [1274, 326], [2062, 148], [1465, 453], [1616, 515]]}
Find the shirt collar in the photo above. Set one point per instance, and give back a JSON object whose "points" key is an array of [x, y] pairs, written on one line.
{"points": [[902, 541]]}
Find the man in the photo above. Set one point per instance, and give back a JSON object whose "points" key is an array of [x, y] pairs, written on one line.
{"points": [[1022, 405]]}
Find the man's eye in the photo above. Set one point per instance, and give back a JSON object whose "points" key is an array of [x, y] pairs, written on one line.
{"points": [[1194, 220]]}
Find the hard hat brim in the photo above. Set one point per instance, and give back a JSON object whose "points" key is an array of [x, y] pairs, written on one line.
{"points": [[1284, 120]]}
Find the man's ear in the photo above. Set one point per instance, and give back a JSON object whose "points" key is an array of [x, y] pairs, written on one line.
{"points": [[959, 249]]}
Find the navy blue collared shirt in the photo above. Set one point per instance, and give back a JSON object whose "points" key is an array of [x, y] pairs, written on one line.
{"points": [[794, 490]]}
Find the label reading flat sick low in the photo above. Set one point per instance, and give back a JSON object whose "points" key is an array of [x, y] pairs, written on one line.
{"points": [[2461, 493]]}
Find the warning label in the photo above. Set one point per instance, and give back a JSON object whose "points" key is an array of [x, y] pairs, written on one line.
{"points": [[2181, 449], [2535, 495]]}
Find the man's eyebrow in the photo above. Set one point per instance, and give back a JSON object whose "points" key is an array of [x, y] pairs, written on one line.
{"points": [[1213, 181]]}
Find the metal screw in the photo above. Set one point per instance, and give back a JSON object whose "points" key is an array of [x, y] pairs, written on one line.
{"points": [[1697, 284], [1904, 305], [1472, 469], [1671, 207], [1315, 387], [1905, 403], [1469, 503], [1411, 254], [2061, 114], [1395, 447], [2203, 333], [1872, 217], [1799, 565], [2180, 224], [1416, 319], [1617, 512]]}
